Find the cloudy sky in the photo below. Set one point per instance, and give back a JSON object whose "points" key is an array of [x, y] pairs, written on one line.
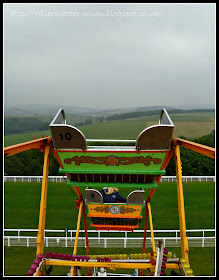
{"points": [[109, 56]]}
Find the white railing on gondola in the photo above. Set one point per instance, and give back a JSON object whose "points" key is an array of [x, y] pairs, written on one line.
{"points": [[67, 241], [57, 179]]}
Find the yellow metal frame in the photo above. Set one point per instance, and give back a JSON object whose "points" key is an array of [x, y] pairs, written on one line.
{"points": [[181, 209], [77, 234], [111, 265], [198, 148], [43, 202], [15, 149], [151, 226]]}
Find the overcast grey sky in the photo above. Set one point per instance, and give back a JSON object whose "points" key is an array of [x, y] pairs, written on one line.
{"points": [[109, 56]]}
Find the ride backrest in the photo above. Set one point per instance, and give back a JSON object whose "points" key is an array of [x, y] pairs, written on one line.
{"points": [[66, 136], [94, 196], [157, 137], [136, 197]]}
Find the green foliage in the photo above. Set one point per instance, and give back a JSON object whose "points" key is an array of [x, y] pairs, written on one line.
{"points": [[14, 125], [30, 163], [194, 163], [208, 140]]}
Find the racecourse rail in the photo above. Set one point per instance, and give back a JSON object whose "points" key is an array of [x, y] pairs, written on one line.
{"points": [[57, 179], [64, 240]]}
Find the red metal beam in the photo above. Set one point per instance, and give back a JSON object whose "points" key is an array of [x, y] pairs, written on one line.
{"points": [[151, 193], [202, 149], [165, 163], [85, 229], [18, 148]]}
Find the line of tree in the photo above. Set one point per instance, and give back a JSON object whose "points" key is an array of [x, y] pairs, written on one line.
{"points": [[13, 125], [90, 120], [132, 115], [31, 162]]}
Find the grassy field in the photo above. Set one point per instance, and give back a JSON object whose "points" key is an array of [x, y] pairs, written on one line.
{"points": [[187, 125], [22, 201], [21, 210]]}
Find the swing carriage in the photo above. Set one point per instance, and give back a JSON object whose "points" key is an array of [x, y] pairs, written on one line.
{"points": [[136, 167]]}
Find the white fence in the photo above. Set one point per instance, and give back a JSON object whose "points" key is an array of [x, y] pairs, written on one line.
{"points": [[131, 241], [57, 179]]}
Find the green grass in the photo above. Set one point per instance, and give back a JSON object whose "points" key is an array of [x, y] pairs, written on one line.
{"points": [[18, 260], [22, 202], [21, 210]]}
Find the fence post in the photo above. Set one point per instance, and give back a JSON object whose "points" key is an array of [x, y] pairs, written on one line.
{"points": [[66, 240], [176, 235], [18, 234], [98, 236], [105, 243], [125, 239], [28, 245], [47, 245], [203, 239], [9, 242]]}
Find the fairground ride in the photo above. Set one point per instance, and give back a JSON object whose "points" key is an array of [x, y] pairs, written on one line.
{"points": [[138, 167]]}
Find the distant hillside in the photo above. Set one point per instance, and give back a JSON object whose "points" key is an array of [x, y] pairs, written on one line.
{"points": [[152, 108], [138, 114], [50, 109], [44, 109]]}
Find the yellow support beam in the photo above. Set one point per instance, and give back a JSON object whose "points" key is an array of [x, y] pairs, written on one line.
{"points": [[181, 209], [18, 148], [112, 265], [43, 202], [198, 148], [151, 226], [77, 233]]}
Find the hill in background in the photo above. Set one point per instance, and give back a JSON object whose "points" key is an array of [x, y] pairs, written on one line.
{"points": [[49, 109]]}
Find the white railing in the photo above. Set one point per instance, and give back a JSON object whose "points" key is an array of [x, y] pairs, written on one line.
{"points": [[188, 178], [124, 241], [57, 179]]}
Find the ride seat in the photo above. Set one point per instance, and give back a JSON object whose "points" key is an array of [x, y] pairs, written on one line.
{"points": [[136, 197], [94, 196]]}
